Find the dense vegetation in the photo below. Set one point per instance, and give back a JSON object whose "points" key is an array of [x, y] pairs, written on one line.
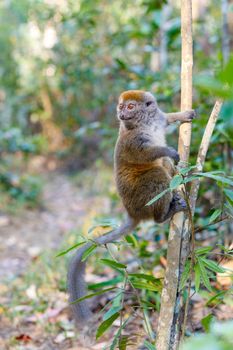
{"points": [[62, 66]]}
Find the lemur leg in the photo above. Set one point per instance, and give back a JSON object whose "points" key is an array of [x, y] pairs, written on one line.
{"points": [[177, 204]]}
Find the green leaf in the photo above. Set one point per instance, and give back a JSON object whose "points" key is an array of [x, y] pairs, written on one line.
{"points": [[148, 305], [185, 274], [190, 178], [123, 342], [146, 286], [215, 215], [204, 275], [88, 296], [114, 342], [149, 346], [113, 310], [131, 239], [206, 322], [112, 263], [212, 265], [145, 277], [89, 251], [184, 171], [219, 178], [202, 251], [228, 193], [161, 194], [69, 249], [225, 249], [175, 182], [197, 279], [110, 282], [106, 325], [218, 296]]}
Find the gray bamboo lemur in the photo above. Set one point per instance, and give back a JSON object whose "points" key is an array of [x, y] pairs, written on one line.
{"points": [[144, 166]]}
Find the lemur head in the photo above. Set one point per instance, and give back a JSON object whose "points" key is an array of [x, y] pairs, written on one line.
{"points": [[136, 107]]}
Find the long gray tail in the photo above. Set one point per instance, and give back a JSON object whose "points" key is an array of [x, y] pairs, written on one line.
{"points": [[76, 272]]}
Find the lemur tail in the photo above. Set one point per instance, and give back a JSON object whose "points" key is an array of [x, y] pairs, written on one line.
{"points": [[76, 273]]}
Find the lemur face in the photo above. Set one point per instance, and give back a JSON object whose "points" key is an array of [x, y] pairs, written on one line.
{"points": [[136, 106]]}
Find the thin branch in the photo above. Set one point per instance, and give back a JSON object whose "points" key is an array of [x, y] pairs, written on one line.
{"points": [[205, 142], [202, 228]]}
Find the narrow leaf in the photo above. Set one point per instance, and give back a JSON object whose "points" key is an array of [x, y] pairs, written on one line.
{"points": [[91, 295], [204, 275], [215, 215], [219, 178], [175, 182], [113, 310], [161, 194], [203, 250], [149, 346], [229, 194], [145, 277], [218, 296], [69, 249], [197, 277], [206, 322], [114, 342], [89, 251], [148, 305], [110, 282], [212, 265], [123, 342], [146, 286], [185, 274], [106, 324], [185, 170], [190, 178], [131, 239], [112, 263]]}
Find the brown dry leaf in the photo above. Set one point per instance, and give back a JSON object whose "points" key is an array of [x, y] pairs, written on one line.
{"points": [[24, 338]]}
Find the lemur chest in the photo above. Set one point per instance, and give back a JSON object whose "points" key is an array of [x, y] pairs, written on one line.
{"points": [[158, 137]]}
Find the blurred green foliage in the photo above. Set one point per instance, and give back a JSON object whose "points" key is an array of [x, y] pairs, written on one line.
{"points": [[64, 63], [218, 338], [15, 150], [68, 61]]}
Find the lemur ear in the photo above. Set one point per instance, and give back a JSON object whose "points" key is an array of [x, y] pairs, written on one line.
{"points": [[148, 103]]}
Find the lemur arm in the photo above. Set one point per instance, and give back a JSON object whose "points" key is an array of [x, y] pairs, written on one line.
{"points": [[186, 116]]}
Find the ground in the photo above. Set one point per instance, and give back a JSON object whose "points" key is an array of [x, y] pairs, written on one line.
{"points": [[34, 309], [29, 243]]}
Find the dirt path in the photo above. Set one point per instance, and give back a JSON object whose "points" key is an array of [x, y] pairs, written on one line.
{"points": [[34, 312], [26, 236]]}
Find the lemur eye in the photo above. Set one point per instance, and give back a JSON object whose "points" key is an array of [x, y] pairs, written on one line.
{"points": [[149, 103], [130, 106], [121, 106]]}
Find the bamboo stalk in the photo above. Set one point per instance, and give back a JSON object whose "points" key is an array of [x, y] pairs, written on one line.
{"points": [[167, 333]]}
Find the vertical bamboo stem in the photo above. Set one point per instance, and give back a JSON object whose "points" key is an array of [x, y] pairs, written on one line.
{"points": [[167, 333]]}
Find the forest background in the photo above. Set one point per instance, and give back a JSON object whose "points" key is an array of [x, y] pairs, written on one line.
{"points": [[63, 65]]}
